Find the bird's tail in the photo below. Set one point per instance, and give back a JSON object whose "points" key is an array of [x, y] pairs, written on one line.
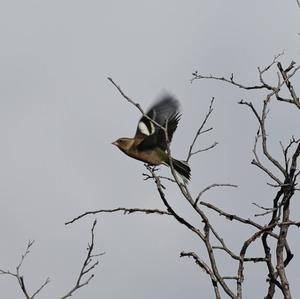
{"points": [[182, 168]]}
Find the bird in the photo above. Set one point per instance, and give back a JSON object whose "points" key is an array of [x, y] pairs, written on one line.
{"points": [[150, 144]]}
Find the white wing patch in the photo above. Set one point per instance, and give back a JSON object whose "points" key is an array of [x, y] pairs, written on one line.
{"points": [[152, 128], [145, 130]]}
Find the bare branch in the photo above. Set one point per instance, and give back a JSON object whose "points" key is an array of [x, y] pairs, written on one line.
{"points": [[20, 278], [275, 59], [40, 288], [232, 217], [213, 186], [204, 237], [200, 131], [261, 119], [236, 257], [268, 172], [240, 273], [267, 210], [230, 277], [82, 280], [183, 188], [124, 210], [137, 105], [280, 250], [205, 268], [203, 149], [230, 80], [286, 183], [170, 209], [295, 99]]}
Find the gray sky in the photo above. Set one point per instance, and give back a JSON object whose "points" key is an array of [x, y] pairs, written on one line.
{"points": [[59, 115]]}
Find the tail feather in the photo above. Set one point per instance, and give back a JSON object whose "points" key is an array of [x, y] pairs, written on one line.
{"points": [[182, 168]]}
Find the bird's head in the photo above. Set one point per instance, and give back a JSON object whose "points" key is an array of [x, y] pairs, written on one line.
{"points": [[123, 143]]}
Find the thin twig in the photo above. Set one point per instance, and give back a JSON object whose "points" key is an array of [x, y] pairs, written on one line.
{"points": [[213, 186], [86, 267], [231, 81], [124, 210], [205, 268], [20, 277], [137, 105], [295, 99], [200, 131]]}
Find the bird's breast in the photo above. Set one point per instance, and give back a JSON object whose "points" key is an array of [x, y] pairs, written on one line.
{"points": [[151, 157]]}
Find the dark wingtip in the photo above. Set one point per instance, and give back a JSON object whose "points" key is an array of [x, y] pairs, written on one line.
{"points": [[182, 168]]}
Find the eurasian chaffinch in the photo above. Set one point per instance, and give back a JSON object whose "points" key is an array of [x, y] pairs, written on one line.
{"points": [[149, 143]]}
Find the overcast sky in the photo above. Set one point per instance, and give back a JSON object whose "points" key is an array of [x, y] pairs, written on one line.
{"points": [[59, 115]]}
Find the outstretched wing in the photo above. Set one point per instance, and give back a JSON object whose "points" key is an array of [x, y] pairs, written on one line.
{"points": [[164, 112]]}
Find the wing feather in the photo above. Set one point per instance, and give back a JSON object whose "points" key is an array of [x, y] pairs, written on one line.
{"points": [[165, 112]]}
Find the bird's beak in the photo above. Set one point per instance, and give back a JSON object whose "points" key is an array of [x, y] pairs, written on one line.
{"points": [[115, 143]]}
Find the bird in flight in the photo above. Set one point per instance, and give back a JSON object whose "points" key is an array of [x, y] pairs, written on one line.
{"points": [[150, 143]]}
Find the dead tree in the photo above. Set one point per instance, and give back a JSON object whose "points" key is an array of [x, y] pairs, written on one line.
{"points": [[276, 217], [283, 174]]}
